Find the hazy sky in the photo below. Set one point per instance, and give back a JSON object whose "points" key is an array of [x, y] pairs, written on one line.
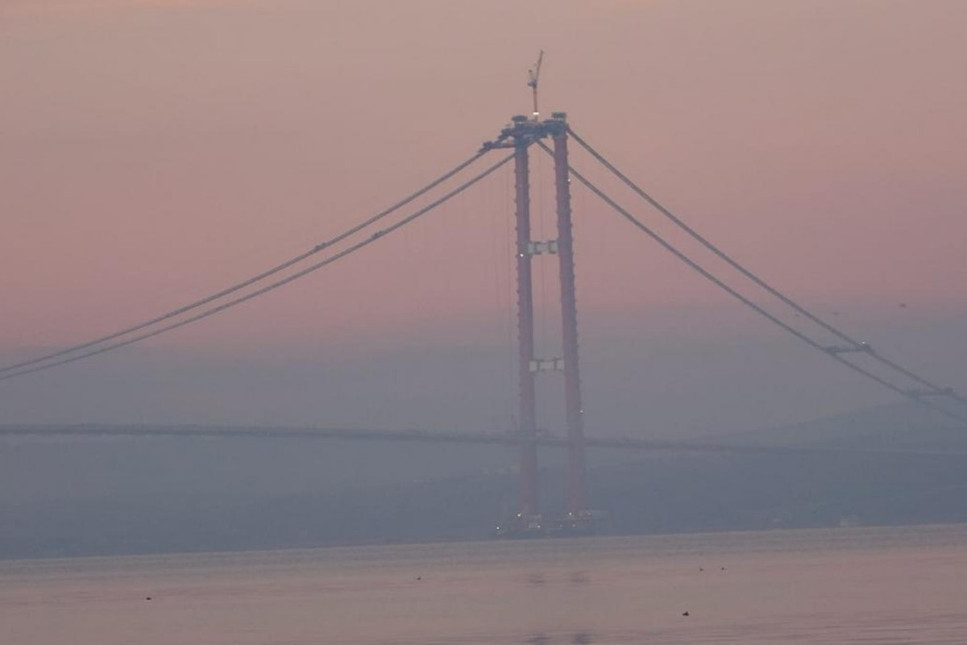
{"points": [[153, 151]]}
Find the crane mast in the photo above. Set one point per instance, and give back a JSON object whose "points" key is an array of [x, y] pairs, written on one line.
{"points": [[533, 75]]}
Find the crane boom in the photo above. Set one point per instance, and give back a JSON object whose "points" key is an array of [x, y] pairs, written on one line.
{"points": [[534, 75]]}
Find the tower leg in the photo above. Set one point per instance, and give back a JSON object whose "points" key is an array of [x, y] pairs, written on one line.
{"points": [[576, 491], [525, 333]]}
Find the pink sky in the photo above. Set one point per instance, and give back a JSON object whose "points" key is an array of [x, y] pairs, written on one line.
{"points": [[151, 152]]}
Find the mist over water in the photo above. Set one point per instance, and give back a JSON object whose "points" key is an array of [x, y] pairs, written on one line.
{"points": [[671, 372]]}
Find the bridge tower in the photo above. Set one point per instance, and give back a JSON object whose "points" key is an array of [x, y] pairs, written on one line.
{"points": [[529, 521]]}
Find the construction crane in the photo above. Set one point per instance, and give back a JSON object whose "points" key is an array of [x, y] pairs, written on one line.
{"points": [[533, 75]]}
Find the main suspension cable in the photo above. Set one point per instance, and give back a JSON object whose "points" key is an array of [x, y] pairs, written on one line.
{"points": [[254, 279], [271, 286], [746, 301], [855, 345]]}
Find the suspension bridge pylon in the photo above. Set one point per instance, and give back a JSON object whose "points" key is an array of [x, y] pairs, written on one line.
{"points": [[529, 521]]}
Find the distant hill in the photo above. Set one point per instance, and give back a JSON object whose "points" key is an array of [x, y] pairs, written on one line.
{"points": [[889, 465], [899, 426]]}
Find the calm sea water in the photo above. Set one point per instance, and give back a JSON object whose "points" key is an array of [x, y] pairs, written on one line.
{"points": [[897, 585]]}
